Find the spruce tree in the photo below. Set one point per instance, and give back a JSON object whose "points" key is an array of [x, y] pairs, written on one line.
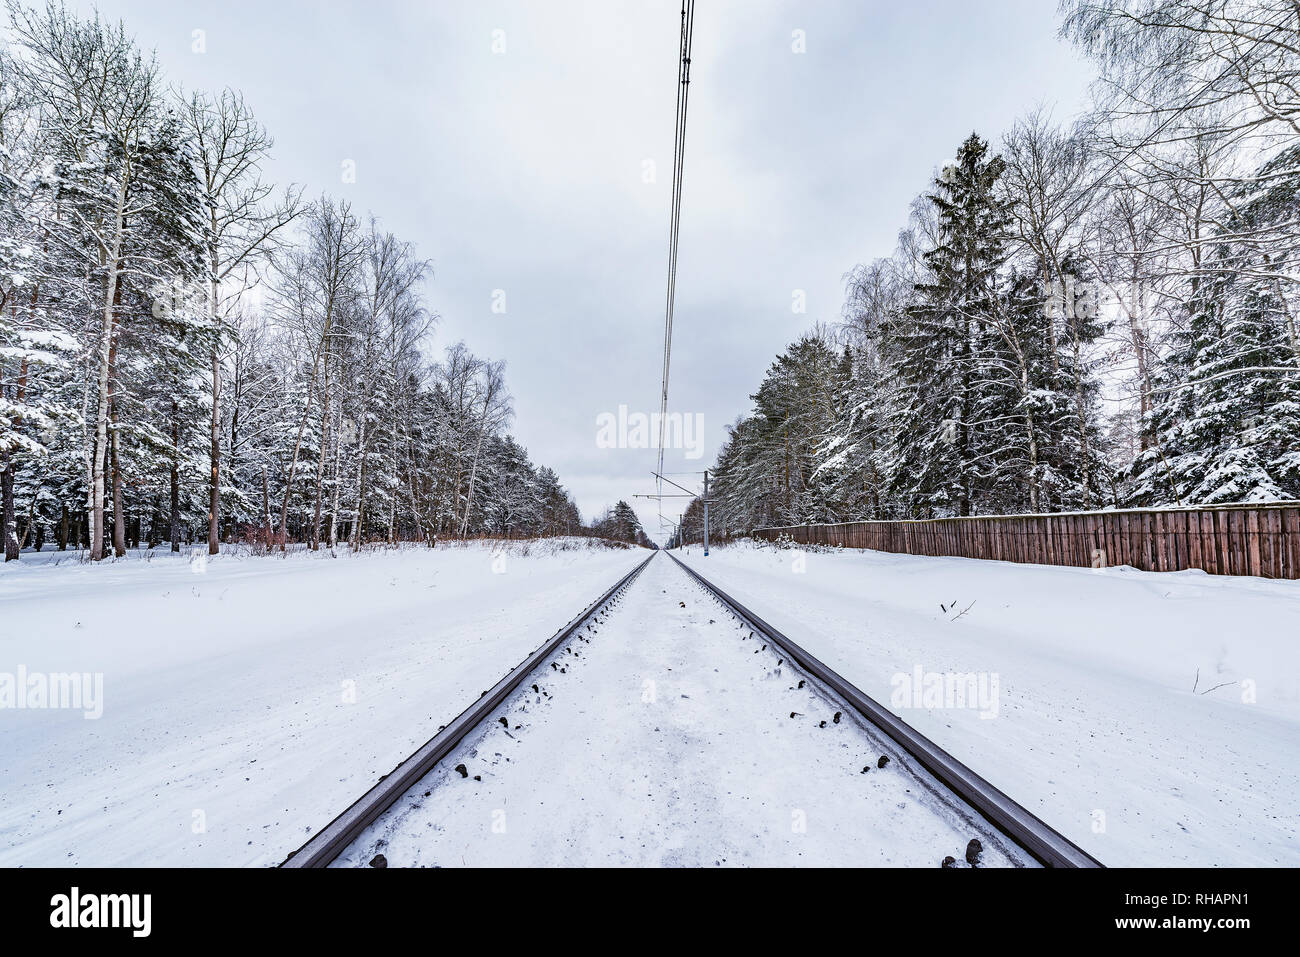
{"points": [[1226, 422], [938, 462]]}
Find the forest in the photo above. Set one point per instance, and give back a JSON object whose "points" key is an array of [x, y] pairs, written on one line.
{"points": [[1098, 313], [190, 352]]}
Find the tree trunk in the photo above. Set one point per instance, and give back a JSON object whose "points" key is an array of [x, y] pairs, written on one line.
{"points": [[101, 414], [1049, 290], [320, 464], [334, 502], [266, 509], [293, 461], [8, 521], [392, 512], [359, 524], [155, 523], [1137, 332], [473, 472], [214, 316], [119, 519], [175, 516], [1081, 417], [214, 480]]}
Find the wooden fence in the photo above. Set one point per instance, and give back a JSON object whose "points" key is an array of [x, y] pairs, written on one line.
{"points": [[1261, 540]]}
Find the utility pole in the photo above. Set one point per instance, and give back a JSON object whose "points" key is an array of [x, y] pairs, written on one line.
{"points": [[706, 513], [681, 531]]}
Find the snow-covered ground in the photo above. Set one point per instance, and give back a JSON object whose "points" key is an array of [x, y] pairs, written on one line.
{"points": [[1095, 725], [246, 701], [1152, 718], [667, 736]]}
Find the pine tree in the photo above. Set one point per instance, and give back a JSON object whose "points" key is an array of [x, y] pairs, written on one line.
{"points": [[1226, 421], [35, 348], [940, 352], [622, 525], [850, 460], [1032, 383]]}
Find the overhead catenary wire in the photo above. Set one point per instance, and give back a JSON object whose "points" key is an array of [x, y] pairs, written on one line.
{"points": [[679, 152]]}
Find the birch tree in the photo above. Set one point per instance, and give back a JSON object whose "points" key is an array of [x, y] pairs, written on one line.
{"points": [[242, 224]]}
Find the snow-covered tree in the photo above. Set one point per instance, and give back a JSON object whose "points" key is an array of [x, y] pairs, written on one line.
{"points": [[1226, 421]]}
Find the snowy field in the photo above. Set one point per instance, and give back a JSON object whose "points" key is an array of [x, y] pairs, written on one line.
{"points": [[1095, 725], [671, 738], [238, 704], [247, 701]]}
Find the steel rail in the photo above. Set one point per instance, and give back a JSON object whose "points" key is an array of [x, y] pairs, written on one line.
{"points": [[1040, 840], [329, 842]]}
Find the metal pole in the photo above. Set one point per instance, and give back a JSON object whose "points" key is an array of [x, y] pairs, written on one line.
{"points": [[706, 513]]}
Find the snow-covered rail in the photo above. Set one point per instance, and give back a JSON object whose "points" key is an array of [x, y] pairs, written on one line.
{"points": [[671, 760], [1040, 840], [329, 842]]}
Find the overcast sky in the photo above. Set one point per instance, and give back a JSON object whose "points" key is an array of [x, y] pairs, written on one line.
{"points": [[523, 171]]}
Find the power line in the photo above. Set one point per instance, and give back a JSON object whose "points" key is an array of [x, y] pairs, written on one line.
{"points": [[679, 152]]}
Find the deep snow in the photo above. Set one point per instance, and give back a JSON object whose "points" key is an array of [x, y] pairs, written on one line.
{"points": [[248, 701], [670, 737], [1097, 728]]}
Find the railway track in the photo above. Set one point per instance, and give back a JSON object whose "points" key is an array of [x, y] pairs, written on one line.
{"points": [[952, 782], [329, 842], [1045, 844]]}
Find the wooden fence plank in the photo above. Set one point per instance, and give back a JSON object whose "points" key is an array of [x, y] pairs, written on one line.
{"points": [[1210, 543], [1236, 543], [1291, 542], [1254, 552], [1194, 540]]}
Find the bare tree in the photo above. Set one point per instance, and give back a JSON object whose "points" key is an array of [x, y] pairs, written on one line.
{"points": [[1203, 97], [1049, 188], [389, 323], [242, 224], [318, 285], [494, 412]]}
